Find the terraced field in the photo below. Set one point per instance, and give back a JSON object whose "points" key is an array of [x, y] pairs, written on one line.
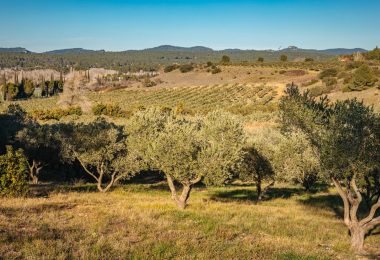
{"points": [[195, 98]]}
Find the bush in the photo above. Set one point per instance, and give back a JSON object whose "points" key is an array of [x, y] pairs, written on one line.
{"points": [[186, 68], [329, 81], [209, 64], [283, 58], [13, 173], [309, 60], [225, 59], [56, 114], [363, 78], [260, 59], [373, 55], [328, 73], [353, 65], [170, 68], [309, 83], [108, 110], [215, 70], [147, 83], [320, 90]]}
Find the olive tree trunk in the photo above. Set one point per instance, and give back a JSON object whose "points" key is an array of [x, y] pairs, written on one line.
{"points": [[34, 170], [260, 191], [352, 198], [99, 179], [182, 199]]}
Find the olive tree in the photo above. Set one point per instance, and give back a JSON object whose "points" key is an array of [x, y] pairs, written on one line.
{"points": [[186, 149], [12, 121], [299, 163], [346, 137], [40, 146], [100, 147], [257, 168]]}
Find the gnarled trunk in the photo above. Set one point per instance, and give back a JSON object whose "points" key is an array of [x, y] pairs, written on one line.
{"points": [[99, 179], [357, 238], [358, 228], [34, 171], [181, 200]]}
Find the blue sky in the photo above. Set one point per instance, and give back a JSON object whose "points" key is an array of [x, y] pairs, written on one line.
{"points": [[41, 25]]}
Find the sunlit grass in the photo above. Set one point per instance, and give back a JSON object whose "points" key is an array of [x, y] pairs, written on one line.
{"points": [[141, 222]]}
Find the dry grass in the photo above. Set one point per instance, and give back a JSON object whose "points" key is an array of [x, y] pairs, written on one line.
{"points": [[141, 222]]}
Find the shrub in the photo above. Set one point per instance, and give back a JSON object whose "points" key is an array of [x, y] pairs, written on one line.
{"points": [[260, 59], [108, 110], [170, 68], [186, 68], [330, 81], [215, 70], [56, 114], [320, 90], [209, 64], [225, 59], [147, 83], [353, 65], [309, 83], [309, 60], [13, 173], [363, 78], [373, 55], [328, 73], [283, 58]]}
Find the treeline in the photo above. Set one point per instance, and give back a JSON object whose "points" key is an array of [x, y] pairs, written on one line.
{"points": [[321, 142], [142, 60], [26, 88]]}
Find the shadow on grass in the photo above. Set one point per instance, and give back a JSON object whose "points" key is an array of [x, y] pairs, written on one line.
{"points": [[37, 209], [325, 201], [45, 189], [249, 195]]}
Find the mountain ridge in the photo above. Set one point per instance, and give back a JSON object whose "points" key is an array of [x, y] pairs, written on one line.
{"points": [[172, 48]]}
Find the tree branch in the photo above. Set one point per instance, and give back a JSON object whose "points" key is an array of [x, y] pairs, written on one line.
{"points": [[172, 187], [354, 201], [346, 204], [88, 171], [196, 180], [372, 213]]}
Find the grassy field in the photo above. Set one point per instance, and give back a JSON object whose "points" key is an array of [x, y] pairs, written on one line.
{"points": [[141, 222]]}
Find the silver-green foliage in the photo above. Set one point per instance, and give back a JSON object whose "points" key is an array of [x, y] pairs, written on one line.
{"points": [[101, 149], [188, 149]]}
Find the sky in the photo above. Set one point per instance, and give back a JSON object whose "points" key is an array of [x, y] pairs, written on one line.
{"points": [[115, 25]]}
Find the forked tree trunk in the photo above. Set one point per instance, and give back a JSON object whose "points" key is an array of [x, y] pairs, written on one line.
{"points": [[34, 171], [99, 179], [181, 200], [358, 228]]}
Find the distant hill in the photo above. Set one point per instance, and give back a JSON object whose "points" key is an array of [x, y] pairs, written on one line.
{"points": [[164, 48], [72, 50], [335, 52], [341, 51], [15, 50]]}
